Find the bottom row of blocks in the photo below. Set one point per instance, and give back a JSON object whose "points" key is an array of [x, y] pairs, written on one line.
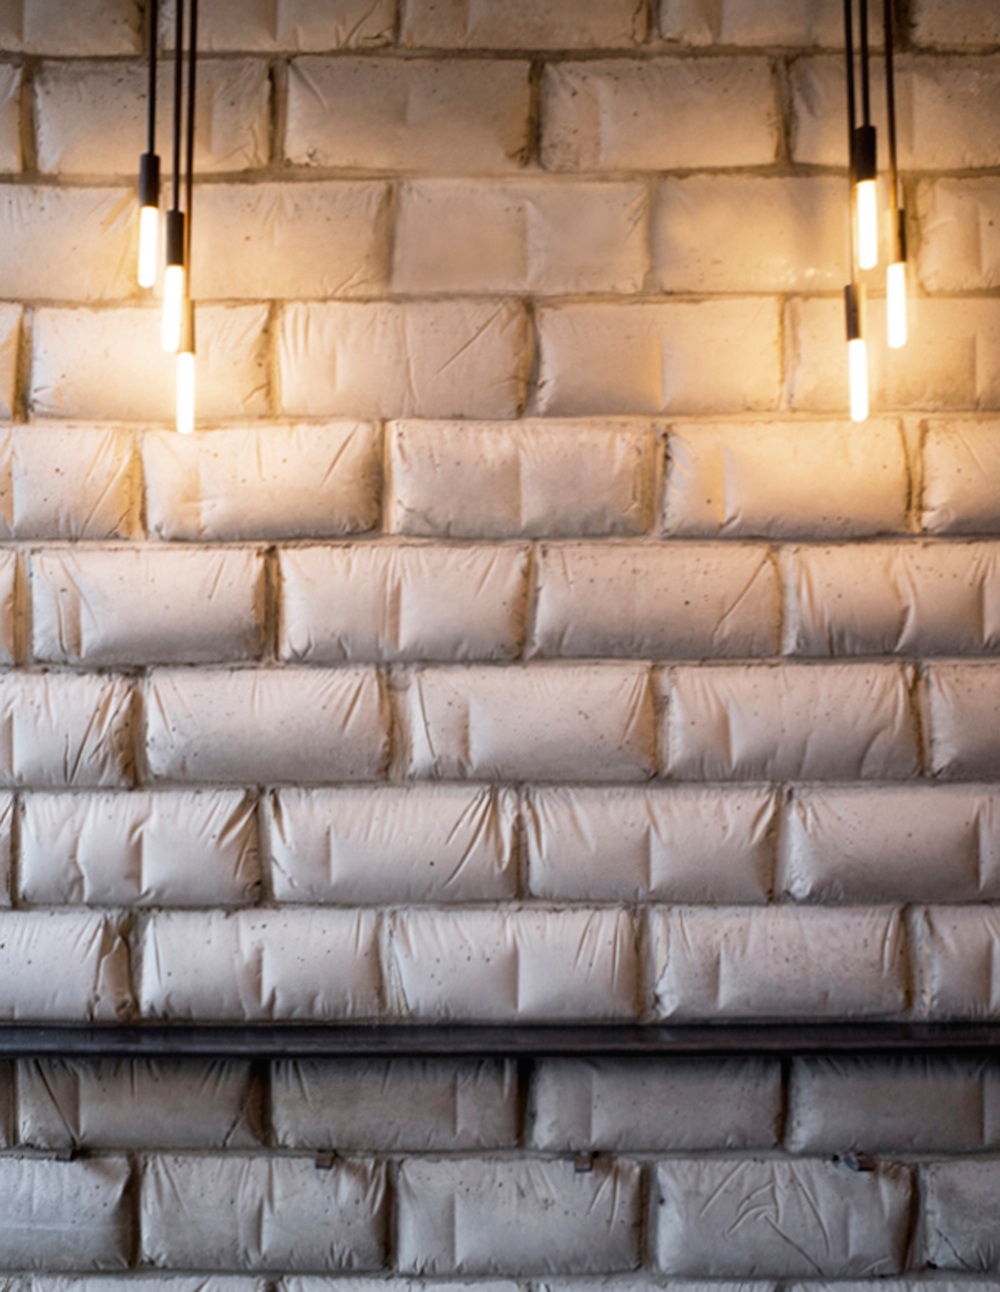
{"points": [[706, 1217]]}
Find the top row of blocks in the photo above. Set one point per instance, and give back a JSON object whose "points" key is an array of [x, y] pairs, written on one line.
{"points": [[111, 27]]}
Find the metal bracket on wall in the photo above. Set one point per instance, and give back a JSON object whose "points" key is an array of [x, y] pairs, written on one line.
{"points": [[281, 1040]]}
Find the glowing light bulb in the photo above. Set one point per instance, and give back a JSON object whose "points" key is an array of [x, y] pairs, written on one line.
{"points": [[149, 240], [173, 307], [895, 282], [857, 360], [185, 392], [866, 199]]}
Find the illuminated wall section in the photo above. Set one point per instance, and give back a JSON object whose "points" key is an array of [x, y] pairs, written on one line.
{"points": [[526, 635]]}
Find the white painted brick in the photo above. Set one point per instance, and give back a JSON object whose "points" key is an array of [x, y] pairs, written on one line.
{"points": [[958, 948], [784, 479], [263, 482], [85, 28], [10, 335], [686, 357], [185, 848], [65, 481], [393, 1105], [469, 1217], [466, 116], [656, 1104], [92, 116], [678, 600], [381, 1283], [522, 24], [913, 599], [960, 1203], [402, 602], [65, 1215], [962, 711], [9, 608], [947, 25], [901, 843], [961, 464], [65, 730], [10, 117], [244, 966], [67, 244], [513, 965], [783, 962], [271, 726], [590, 113], [111, 1103], [526, 236], [62, 967], [910, 1104], [427, 843], [749, 234], [808, 1219], [530, 478], [947, 111], [765, 22], [629, 844], [262, 1213], [794, 721], [959, 247], [318, 239], [403, 359], [109, 364], [146, 605], [296, 25], [950, 361], [154, 1283], [554, 722]]}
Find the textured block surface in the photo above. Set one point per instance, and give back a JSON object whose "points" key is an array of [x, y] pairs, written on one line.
{"points": [[266, 1213], [65, 1215], [395, 1104], [533, 478], [504, 965], [556, 722], [779, 963], [466, 1217], [441, 843], [249, 965], [813, 1218]]}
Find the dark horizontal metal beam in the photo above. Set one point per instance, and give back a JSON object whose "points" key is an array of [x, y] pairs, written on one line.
{"points": [[279, 1040]]}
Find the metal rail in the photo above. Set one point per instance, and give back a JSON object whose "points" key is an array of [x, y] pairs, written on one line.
{"points": [[271, 1041]]}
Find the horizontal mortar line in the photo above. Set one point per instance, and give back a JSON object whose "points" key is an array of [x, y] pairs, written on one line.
{"points": [[303, 1040]]}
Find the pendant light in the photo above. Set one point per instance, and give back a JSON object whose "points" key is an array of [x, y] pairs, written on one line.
{"points": [[854, 292], [864, 157], [896, 273], [174, 274], [185, 347], [149, 172]]}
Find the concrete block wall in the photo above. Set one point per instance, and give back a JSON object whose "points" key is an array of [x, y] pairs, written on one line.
{"points": [[525, 635]]}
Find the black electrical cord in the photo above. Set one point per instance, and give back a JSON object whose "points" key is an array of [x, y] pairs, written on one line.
{"points": [[192, 84]]}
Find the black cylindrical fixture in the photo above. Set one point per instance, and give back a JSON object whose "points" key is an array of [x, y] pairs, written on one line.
{"points": [[853, 306], [149, 180], [864, 164], [175, 237]]}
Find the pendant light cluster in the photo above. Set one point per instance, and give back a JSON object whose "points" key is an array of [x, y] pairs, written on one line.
{"points": [[864, 221], [178, 309]]}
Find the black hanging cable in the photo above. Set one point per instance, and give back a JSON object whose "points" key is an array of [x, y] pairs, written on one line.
{"points": [[192, 90], [173, 287], [853, 292], [899, 222], [866, 93], [149, 167], [851, 118]]}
